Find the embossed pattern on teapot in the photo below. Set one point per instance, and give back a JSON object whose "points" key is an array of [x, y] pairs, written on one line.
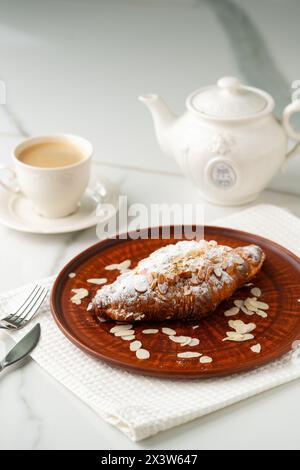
{"points": [[228, 142]]}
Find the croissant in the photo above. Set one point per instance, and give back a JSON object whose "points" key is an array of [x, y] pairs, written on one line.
{"points": [[185, 281]]}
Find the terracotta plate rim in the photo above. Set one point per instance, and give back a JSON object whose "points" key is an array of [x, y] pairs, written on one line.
{"points": [[142, 369]]}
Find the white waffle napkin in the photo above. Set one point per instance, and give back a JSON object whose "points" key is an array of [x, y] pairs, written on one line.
{"points": [[142, 406]]}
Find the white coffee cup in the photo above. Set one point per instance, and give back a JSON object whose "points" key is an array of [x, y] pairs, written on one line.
{"points": [[54, 192]]}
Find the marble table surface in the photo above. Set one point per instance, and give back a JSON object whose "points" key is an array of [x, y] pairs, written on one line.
{"points": [[83, 75]]}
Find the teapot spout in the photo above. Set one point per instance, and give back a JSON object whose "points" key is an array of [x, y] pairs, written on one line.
{"points": [[162, 116]]}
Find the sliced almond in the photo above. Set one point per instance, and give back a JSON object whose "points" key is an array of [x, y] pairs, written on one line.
{"points": [[218, 271], [72, 275], [123, 327], [256, 292], [79, 294], [250, 305], [256, 348], [238, 303], [112, 267], [234, 324], [255, 306], [124, 266], [261, 305], [139, 316], [232, 312], [187, 342], [124, 333], [135, 345], [195, 327], [251, 300], [240, 327], [246, 311], [261, 313], [163, 288], [142, 354], [188, 354], [246, 328], [128, 338], [141, 284], [238, 337], [180, 339], [194, 342], [205, 360], [99, 282], [150, 331], [168, 331]]}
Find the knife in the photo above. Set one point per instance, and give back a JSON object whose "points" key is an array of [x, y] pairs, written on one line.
{"points": [[22, 348]]}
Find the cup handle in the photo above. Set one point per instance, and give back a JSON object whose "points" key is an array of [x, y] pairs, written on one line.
{"points": [[12, 185]]}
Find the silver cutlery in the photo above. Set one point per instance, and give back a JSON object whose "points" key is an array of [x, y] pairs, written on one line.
{"points": [[22, 348], [26, 311]]}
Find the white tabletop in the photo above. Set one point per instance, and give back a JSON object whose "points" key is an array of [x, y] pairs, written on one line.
{"points": [[83, 76]]}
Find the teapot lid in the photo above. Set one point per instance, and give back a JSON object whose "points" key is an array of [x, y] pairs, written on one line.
{"points": [[230, 100]]}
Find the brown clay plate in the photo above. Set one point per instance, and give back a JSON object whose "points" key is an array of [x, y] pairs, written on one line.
{"points": [[278, 280]]}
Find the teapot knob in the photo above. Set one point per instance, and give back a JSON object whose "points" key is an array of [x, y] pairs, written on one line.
{"points": [[229, 83]]}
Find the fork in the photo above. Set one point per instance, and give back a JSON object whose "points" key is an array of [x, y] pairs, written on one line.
{"points": [[26, 311]]}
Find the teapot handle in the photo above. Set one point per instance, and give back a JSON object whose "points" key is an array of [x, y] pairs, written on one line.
{"points": [[291, 109]]}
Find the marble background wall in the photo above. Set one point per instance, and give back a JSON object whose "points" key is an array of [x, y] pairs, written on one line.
{"points": [[78, 66]]}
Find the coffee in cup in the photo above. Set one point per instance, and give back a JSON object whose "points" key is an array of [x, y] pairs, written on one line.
{"points": [[51, 154], [53, 172]]}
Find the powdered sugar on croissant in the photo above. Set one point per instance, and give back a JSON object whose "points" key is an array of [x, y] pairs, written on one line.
{"points": [[186, 280]]}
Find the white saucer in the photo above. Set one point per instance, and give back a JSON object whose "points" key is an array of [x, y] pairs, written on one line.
{"points": [[18, 213]]}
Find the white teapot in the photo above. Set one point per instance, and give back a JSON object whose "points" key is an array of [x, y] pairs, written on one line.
{"points": [[228, 142]]}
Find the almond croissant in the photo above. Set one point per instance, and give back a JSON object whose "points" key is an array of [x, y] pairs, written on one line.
{"points": [[186, 280]]}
